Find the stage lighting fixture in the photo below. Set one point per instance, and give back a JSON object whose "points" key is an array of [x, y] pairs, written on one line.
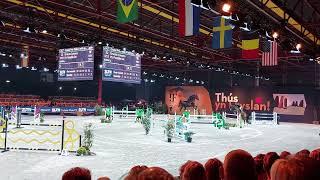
{"points": [[100, 66], [275, 35], [8, 81], [298, 46], [60, 88], [30, 29], [10, 55], [5, 65], [226, 7], [100, 42], [44, 31]]}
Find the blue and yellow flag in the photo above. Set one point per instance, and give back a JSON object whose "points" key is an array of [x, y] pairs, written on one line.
{"points": [[127, 10], [222, 33]]}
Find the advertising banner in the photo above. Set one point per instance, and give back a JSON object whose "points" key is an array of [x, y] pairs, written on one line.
{"points": [[188, 98], [290, 104]]}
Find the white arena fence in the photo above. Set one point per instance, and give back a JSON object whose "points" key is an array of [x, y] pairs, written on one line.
{"points": [[123, 114], [231, 118], [264, 118]]}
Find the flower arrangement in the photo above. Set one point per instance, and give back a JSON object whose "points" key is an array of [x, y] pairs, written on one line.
{"points": [[169, 129], [146, 122], [41, 117]]}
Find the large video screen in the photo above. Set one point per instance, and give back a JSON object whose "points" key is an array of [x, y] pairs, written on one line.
{"points": [[121, 66], [76, 64]]}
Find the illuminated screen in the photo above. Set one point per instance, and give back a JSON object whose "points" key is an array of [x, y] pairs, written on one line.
{"points": [[121, 66], [76, 64]]}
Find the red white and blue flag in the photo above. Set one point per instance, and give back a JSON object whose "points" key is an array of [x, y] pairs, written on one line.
{"points": [[189, 18]]}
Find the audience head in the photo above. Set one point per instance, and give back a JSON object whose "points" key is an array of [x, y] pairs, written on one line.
{"points": [[134, 172], [304, 153], [315, 154], [268, 161], [103, 178], [155, 173], [295, 169], [259, 163], [239, 165], [77, 173], [284, 154], [213, 169], [181, 170], [193, 170]]}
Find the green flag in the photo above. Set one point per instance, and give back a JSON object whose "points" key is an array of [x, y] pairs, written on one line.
{"points": [[127, 11]]}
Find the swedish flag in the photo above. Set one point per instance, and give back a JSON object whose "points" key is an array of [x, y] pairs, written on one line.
{"points": [[127, 10], [222, 33]]}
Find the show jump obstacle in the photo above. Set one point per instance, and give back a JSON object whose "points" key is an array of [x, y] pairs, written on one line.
{"points": [[264, 118], [39, 136]]}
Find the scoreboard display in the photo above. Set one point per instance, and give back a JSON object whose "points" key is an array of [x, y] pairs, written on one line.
{"points": [[76, 64], [121, 66]]}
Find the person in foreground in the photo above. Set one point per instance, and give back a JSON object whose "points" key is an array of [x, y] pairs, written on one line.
{"points": [[239, 165], [77, 173]]}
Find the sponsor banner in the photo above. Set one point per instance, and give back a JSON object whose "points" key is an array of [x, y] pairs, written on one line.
{"points": [[257, 100], [195, 99], [26, 109], [290, 104], [66, 109]]}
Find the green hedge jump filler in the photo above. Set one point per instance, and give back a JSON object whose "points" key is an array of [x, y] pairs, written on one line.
{"points": [[139, 115], [109, 113]]}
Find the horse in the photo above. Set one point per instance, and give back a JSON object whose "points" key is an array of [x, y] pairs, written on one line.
{"points": [[191, 102]]}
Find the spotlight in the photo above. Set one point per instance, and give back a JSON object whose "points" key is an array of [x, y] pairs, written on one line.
{"points": [[18, 67], [45, 69], [44, 31], [226, 7], [75, 89], [5, 65], [8, 81], [298, 46], [10, 55], [60, 88], [275, 35], [100, 66], [99, 42]]}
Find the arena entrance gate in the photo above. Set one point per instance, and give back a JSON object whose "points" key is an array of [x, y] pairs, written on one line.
{"points": [[39, 137]]}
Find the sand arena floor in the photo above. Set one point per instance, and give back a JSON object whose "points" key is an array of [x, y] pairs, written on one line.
{"points": [[123, 144]]}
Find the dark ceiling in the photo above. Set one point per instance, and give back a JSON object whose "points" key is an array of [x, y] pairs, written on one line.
{"points": [[156, 33]]}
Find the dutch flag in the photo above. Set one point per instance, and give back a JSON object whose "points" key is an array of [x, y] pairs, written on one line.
{"points": [[189, 18]]}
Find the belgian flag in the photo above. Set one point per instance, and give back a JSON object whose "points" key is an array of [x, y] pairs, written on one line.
{"points": [[127, 10], [250, 45]]}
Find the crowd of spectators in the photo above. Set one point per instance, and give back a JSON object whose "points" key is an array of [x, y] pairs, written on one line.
{"points": [[33, 100], [237, 165]]}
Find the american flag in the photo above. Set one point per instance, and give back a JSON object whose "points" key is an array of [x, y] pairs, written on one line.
{"points": [[269, 53]]}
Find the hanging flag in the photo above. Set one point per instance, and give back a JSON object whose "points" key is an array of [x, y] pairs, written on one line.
{"points": [[222, 33], [127, 11], [25, 57], [250, 44], [269, 53], [189, 18]]}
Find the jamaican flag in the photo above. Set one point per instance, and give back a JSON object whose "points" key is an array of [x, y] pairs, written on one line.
{"points": [[127, 10]]}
